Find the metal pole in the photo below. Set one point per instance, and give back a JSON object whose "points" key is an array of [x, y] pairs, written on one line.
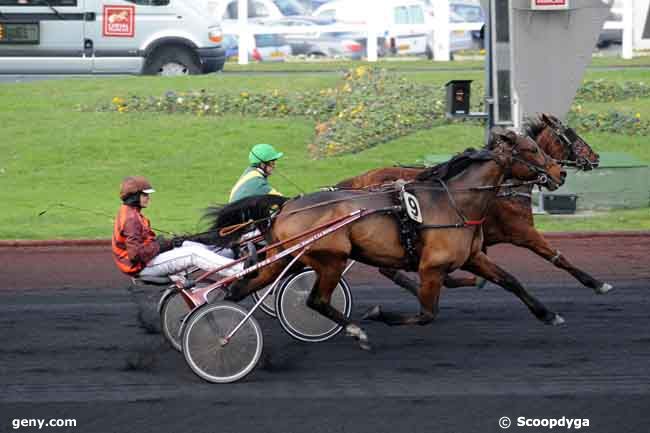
{"points": [[627, 50], [371, 42], [489, 53], [242, 27], [441, 31]]}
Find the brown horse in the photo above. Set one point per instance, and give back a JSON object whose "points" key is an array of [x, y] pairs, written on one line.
{"points": [[447, 240], [509, 218]]}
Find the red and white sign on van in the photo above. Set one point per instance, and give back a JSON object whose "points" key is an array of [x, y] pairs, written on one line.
{"points": [[119, 21], [549, 4]]}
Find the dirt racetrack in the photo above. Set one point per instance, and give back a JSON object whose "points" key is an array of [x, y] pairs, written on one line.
{"points": [[74, 346]]}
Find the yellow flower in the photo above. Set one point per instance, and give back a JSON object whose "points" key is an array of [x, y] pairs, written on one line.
{"points": [[122, 109], [118, 101], [638, 115], [244, 94]]}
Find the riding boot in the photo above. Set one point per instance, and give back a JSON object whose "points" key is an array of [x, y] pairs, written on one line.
{"points": [[251, 260]]}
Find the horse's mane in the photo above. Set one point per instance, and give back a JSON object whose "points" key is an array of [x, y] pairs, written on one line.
{"points": [[457, 164], [533, 126], [251, 208]]}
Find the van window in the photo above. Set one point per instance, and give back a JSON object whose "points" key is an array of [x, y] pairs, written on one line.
{"points": [[470, 14], [255, 10], [37, 3], [416, 15], [401, 15], [290, 7], [258, 10], [231, 11], [327, 13]]}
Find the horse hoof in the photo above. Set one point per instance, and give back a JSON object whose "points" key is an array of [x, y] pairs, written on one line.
{"points": [[373, 313], [555, 320], [605, 288], [480, 282], [365, 345]]}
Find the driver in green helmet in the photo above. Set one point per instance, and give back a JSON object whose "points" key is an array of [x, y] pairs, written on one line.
{"points": [[254, 180]]}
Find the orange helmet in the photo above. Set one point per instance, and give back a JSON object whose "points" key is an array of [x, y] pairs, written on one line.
{"points": [[134, 184]]}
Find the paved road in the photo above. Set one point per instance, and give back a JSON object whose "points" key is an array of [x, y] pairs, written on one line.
{"points": [[84, 353]]}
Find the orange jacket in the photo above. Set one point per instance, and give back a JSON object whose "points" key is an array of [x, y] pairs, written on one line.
{"points": [[134, 243]]}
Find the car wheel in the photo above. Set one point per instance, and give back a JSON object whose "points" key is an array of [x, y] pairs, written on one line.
{"points": [[172, 61]]}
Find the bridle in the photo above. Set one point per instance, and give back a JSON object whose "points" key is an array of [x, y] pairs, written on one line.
{"points": [[572, 159], [543, 176]]}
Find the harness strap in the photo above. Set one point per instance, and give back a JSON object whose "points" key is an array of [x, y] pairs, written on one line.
{"points": [[408, 232], [225, 231]]}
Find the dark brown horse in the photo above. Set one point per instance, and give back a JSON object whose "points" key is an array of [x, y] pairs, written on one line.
{"points": [[446, 241], [509, 218]]}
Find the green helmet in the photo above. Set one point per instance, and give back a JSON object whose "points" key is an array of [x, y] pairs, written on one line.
{"points": [[263, 153]]}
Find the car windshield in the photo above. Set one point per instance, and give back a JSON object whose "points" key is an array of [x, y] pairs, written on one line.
{"points": [[269, 40], [469, 13], [290, 7]]}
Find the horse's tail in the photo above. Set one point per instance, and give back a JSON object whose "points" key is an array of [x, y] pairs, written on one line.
{"points": [[253, 208]]}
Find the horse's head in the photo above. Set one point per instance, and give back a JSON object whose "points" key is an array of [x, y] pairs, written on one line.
{"points": [[524, 159], [565, 145]]}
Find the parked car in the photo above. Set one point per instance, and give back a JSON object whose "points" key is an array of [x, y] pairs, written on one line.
{"points": [[173, 37], [315, 42], [396, 20], [263, 47], [608, 37]]}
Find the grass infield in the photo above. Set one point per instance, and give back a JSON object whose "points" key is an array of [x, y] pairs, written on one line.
{"points": [[53, 153]]}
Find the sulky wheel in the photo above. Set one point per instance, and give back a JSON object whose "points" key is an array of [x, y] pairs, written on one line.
{"points": [[173, 311], [268, 306], [208, 353], [300, 321]]}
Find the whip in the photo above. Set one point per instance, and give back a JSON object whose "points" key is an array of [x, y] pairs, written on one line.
{"points": [[96, 212]]}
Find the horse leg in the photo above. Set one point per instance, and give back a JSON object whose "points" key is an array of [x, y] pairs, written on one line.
{"points": [[327, 278], [535, 242], [402, 279], [481, 265], [428, 294]]}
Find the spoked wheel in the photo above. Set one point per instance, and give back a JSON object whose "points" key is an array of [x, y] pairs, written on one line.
{"points": [[268, 306], [207, 352], [173, 311], [300, 321]]}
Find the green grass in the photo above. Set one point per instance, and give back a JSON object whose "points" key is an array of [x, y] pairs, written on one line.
{"points": [[407, 65], [628, 219], [52, 153]]}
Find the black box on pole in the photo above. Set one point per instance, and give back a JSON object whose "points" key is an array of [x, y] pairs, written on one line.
{"points": [[458, 97]]}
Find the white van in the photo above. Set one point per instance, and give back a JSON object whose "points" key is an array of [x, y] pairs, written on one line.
{"points": [[403, 22], [166, 37]]}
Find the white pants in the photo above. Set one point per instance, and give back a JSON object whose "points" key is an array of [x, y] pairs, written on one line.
{"points": [[190, 254]]}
